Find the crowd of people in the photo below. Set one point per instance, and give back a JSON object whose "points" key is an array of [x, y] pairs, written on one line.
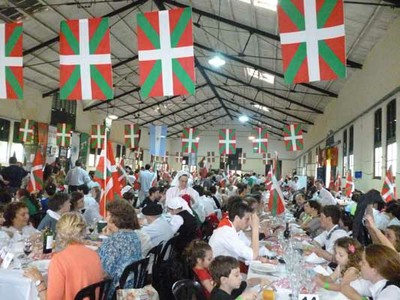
{"points": [[215, 220]]}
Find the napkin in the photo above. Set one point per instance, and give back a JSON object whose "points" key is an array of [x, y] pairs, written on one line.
{"points": [[321, 270], [315, 259]]}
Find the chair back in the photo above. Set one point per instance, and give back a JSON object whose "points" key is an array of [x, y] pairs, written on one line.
{"points": [[168, 251], [155, 254], [139, 271], [96, 291], [186, 289]]}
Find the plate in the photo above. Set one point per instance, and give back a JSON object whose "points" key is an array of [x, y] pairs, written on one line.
{"points": [[264, 268], [94, 248], [315, 259], [41, 265]]}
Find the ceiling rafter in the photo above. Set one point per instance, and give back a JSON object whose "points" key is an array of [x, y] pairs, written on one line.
{"points": [[264, 69], [202, 123], [178, 111], [266, 105], [89, 107], [158, 103], [194, 117], [250, 29], [261, 89]]}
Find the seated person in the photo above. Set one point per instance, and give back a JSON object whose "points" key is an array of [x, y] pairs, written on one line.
{"points": [[313, 224], [153, 197], [158, 228], [330, 216], [16, 223], [57, 206], [300, 201], [391, 237]]}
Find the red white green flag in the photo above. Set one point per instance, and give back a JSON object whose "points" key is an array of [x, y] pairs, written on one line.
{"points": [[85, 60], [349, 188], [268, 180], [27, 131], [210, 156], [190, 140], [178, 157], [35, 183], [138, 153], [227, 141], [242, 158], [63, 135], [389, 187], [106, 175], [276, 204], [98, 136], [132, 136], [293, 137], [166, 59], [11, 69], [312, 40], [122, 176], [260, 142]]}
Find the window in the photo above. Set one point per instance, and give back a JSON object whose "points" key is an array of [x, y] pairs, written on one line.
{"points": [[9, 141], [351, 149], [63, 111], [378, 144], [344, 153], [391, 145], [260, 75], [94, 157]]}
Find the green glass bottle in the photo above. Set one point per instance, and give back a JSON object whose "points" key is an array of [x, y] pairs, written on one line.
{"points": [[48, 236]]}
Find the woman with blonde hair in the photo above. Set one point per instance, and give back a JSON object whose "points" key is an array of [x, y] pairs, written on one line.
{"points": [[72, 268]]}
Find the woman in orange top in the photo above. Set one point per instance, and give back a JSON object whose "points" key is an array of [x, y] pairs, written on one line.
{"points": [[71, 269]]}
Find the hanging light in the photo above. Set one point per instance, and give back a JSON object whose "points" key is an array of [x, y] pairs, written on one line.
{"points": [[217, 61], [243, 118], [112, 117]]}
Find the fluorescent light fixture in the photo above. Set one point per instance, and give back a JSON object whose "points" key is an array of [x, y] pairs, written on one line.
{"points": [[243, 118], [251, 137], [267, 4], [264, 108], [216, 61], [113, 117], [260, 75], [197, 139]]}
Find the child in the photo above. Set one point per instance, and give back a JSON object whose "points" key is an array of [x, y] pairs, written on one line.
{"points": [[226, 275], [348, 254], [200, 255]]}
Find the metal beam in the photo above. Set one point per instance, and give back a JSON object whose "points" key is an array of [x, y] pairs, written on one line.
{"points": [[109, 100], [201, 124], [266, 105], [264, 69], [56, 39], [261, 90], [194, 117], [250, 29], [157, 103], [177, 111]]}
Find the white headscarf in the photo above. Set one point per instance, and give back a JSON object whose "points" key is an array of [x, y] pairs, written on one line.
{"points": [[178, 202], [181, 173]]}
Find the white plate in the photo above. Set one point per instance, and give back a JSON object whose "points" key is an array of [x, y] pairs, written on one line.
{"points": [[264, 268], [315, 259], [94, 248], [41, 265]]}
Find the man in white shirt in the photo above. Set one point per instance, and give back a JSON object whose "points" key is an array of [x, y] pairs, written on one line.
{"points": [[146, 178], [330, 217], [323, 196], [225, 239], [76, 177], [158, 228]]}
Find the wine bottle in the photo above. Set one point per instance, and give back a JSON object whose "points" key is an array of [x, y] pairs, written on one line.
{"points": [[48, 236], [286, 233]]}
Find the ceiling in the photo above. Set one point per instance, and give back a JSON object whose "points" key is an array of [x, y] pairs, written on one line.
{"points": [[243, 34]]}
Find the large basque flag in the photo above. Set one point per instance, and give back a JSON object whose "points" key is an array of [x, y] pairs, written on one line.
{"points": [[166, 58], [260, 142], [227, 141], [11, 70], [389, 187], [85, 60], [132, 136], [293, 137], [158, 140], [312, 39], [190, 140]]}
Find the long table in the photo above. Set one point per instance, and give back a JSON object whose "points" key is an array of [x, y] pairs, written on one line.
{"points": [[14, 286]]}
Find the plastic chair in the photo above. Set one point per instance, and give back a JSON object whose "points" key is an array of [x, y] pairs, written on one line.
{"points": [[155, 254], [96, 291], [188, 289], [168, 251], [139, 270]]}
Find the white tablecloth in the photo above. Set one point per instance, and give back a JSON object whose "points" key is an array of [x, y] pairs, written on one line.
{"points": [[14, 286], [283, 294]]}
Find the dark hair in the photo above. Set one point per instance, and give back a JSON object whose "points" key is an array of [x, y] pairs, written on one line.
{"points": [[199, 189], [2, 207], [57, 201], [12, 160], [11, 211], [332, 211], [153, 190], [319, 181], [385, 260], [196, 249], [84, 188], [5, 197], [50, 188], [315, 204], [393, 207], [75, 197], [147, 166], [213, 189], [123, 215], [78, 163], [241, 187], [25, 196], [238, 209], [347, 220], [222, 266], [250, 200], [354, 251]]}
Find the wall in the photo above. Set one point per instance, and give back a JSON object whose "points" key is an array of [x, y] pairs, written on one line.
{"points": [[367, 90]]}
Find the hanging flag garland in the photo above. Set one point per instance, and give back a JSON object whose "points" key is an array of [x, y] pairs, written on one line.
{"points": [[27, 131], [389, 187], [63, 135], [227, 141], [312, 40], [11, 68], [98, 136], [132, 136], [166, 59], [190, 140], [85, 60], [293, 137], [260, 142]]}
